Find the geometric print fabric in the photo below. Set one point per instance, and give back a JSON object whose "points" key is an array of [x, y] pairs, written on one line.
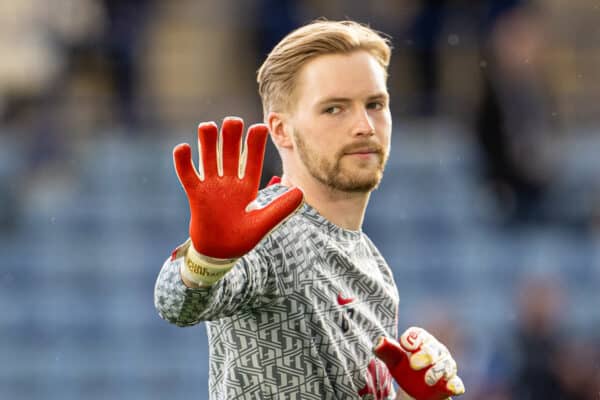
{"points": [[297, 317]]}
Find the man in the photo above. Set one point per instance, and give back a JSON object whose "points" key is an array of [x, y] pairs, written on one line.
{"points": [[296, 297]]}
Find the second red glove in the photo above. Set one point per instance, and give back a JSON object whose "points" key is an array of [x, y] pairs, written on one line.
{"points": [[422, 366]]}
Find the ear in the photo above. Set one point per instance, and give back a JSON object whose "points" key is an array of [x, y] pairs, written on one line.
{"points": [[280, 129]]}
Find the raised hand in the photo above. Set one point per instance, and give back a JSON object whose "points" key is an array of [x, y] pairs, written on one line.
{"points": [[222, 225]]}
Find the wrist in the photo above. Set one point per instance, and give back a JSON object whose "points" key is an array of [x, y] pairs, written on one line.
{"points": [[203, 271]]}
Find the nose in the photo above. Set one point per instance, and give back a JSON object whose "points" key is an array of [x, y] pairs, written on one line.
{"points": [[364, 125]]}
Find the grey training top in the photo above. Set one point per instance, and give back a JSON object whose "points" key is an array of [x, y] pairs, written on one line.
{"points": [[297, 317]]}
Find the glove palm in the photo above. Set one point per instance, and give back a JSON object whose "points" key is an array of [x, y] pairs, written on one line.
{"points": [[222, 225]]}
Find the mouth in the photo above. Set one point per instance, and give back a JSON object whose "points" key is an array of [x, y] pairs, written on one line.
{"points": [[363, 151]]}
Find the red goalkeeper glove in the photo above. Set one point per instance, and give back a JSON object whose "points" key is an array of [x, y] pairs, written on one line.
{"points": [[222, 225], [422, 366]]}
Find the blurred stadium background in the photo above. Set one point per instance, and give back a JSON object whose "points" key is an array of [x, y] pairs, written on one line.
{"points": [[489, 213]]}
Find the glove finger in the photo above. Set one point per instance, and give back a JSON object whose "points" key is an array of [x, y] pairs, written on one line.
{"points": [[207, 144], [255, 152], [443, 368], [184, 166], [431, 350], [267, 218], [455, 386], [231, 137], [389, 351], [412, 338]]}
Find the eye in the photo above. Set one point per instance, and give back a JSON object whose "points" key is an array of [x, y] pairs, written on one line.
{"points": [[375, 105], [332, 110]]}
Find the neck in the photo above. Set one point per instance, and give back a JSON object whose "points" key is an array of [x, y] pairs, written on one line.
{"points": [[344, 209]]}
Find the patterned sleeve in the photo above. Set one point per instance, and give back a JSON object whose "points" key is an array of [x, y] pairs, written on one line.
{"points": [[249, 284]]}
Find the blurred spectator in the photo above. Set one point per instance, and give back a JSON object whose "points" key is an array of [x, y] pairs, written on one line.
{"points": [[67, 51], [424, 35], [537, 343], [540, 360], [513, 124], [577, 369], [34, 33], [514, 120], [125, 25], [275, 19]]}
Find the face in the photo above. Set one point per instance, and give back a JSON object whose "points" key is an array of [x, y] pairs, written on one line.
{"points": [[341, 123]]}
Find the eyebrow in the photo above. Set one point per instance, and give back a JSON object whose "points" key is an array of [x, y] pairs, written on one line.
{"points": [[328, 100]]}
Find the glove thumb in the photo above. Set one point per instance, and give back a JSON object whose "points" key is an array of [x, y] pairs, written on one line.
{"points": [[267, 218], [390, 352]]}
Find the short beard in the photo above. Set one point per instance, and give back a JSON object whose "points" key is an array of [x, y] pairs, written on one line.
{"points": [[330, 173]]}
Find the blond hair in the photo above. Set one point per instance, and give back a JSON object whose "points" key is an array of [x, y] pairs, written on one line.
{"points": [[277, 77]]}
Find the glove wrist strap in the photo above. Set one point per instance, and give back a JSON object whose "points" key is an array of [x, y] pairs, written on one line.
{"points": [[204, 270]]}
